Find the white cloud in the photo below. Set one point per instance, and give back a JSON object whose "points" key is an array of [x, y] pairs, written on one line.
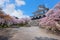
{"points": [[20, 2], [9, 8], [7, 0], [17, 13], [3, 1]]}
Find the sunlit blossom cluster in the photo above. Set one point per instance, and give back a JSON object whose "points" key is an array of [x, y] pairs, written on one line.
{"points": [[52, 19]]}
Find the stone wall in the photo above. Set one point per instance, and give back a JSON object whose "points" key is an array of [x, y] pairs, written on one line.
{"points": [[34, 22]]}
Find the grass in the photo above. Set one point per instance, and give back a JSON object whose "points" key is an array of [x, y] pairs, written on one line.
{"points": [[8, 26]]}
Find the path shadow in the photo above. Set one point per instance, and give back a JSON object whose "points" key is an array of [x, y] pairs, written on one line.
{"points": [[3, 38], [44, 38]]}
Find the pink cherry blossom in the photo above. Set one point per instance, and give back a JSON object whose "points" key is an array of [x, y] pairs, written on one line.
{"points": [[52, 17]]}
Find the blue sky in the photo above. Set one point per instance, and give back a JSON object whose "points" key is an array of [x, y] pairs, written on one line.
{"points": [[23, 8], [32, 5]]}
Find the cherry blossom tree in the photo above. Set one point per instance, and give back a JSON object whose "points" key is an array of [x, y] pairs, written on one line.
{"points": [[7, 20], [52, 19]]}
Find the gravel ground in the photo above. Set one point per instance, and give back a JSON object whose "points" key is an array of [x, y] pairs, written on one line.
{"points": [[33, 33], [27, 33]]}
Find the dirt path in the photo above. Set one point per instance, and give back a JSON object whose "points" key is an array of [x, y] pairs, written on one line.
{"points": [[32, 33]]}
